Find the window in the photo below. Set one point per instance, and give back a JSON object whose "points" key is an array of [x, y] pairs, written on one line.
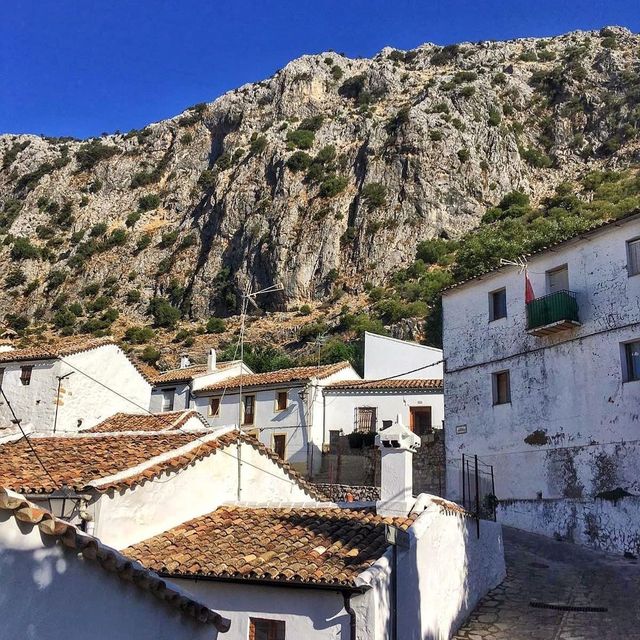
{"points": [[631, 361], [261, 629], [420, 420], [1, 377], [167, 399], [366, 419], [249, 409], [633, 257], [214, 407], [282, 398], [558, 279], [280, 444], [25, 375], [497, 305], [501, 387]]}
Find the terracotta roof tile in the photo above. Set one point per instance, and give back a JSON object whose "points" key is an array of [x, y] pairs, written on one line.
{"points": [[66, 347], [168, 421], [107, 558], [295, 374], [80, 461], [396, 383], [325, 545]]}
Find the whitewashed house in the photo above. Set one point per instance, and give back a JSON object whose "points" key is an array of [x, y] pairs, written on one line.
{"points": [[173, 389], [69, 386], [284, 409], [320, 572], [51, 572], [548, 392]]}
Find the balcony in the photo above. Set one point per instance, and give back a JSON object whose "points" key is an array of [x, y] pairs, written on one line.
{"points": [[552, 313]]}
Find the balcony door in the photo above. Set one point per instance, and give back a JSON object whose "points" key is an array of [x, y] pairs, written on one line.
{"points": [[558, 279]]}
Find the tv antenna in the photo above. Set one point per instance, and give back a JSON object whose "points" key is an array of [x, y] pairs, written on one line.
{"points": [[520, 262]]}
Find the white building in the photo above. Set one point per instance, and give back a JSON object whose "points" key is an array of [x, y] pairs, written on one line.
{"points": [[283, 409], [60, 583], [386, 357], [321, 572], [173, 389], [549, 392], [70, 386]]}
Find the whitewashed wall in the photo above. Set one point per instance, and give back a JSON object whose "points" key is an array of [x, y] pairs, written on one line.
{"points": [[341, 405], [571, 429], [181, 397], [384, 357], [311, 614], [34, 404], [123, 518], [50, 593]]}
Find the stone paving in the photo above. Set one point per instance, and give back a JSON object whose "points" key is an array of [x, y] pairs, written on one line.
{"points": [[543, 570]]}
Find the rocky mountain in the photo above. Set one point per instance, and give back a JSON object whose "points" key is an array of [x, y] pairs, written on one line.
{"points": [[323, 178]]}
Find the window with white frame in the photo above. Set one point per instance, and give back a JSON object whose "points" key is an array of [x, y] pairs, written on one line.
{"points": [[631, 361], [501, 384], [633, 257], [497, 304]]}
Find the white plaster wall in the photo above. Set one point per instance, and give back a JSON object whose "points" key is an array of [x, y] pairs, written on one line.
{"points": [[308, 613], [384, 357], [600, 524], [129, 516], [108, 384], [181, 397], [34, 404], [567, 386], [217, 375], [341, 406], [47, 592], [446, 572]]}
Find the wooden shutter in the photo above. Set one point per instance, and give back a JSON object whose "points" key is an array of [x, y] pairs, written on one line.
{"points": [[634, 257]]}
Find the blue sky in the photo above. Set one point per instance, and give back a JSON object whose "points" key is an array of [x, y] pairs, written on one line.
{"points": [[81, 67]]}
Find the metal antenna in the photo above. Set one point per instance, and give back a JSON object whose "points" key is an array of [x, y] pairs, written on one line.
{"points": [[520, 262]]}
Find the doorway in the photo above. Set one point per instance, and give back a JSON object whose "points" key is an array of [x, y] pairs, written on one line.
{"points": [[420, 420]]}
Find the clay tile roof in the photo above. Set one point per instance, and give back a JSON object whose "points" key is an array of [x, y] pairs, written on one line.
{"points": [[395, 383], [320, 545], [295, 374], [107, 558], [65, 347], [92, 459], [186, 374], [168, 421]]}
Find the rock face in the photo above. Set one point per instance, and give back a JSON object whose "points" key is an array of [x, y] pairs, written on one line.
{"points": [[324, 176]]}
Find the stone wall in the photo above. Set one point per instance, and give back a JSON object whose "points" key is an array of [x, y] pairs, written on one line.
{"points": [[357, 467], [341, 492], [606, 525]]}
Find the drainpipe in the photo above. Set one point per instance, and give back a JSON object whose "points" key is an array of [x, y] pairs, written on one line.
{"points": [[353, 627]]}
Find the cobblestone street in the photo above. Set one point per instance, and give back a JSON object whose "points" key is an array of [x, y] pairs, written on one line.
{"points": [[542, 570]]}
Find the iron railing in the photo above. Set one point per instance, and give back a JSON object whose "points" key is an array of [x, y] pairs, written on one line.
{"points": [[555, 307]]}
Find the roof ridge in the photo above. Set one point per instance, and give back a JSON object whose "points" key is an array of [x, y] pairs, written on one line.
{"points": [[108, 558]]}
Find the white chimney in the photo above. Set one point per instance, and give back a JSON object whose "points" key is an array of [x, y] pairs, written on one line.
{"points": [[397, 445], [184, 361], [211, 360]]}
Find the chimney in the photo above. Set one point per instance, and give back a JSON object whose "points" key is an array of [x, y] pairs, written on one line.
{"points": [[397, 445], [211, 360], [184, 361]]}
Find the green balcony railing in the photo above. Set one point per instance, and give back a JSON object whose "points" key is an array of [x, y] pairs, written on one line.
{"points": [[553, 308]]}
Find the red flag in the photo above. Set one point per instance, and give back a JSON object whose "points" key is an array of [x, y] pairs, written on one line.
{"points": [[529, 295]]}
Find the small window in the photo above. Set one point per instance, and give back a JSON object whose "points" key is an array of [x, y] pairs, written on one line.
{"points": [[631, 363], [497, 304], [214, 407], [167, 399], [633, 257], [1, 377], [249, 410], [282, 398], [366, 418], [280, 445], [262, 629], [25, 375], [501, 387]]}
